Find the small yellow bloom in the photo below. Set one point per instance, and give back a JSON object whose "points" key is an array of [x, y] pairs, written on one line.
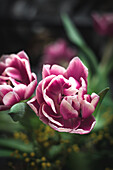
{"points": [[43, 164], [27, 159], [76, 148], [23, 136], [24, 154], [43, 158], [32, 163], [48, 164], [16, 135], [32, 154]]}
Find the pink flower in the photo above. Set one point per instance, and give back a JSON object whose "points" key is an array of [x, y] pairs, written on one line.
{"points": [[58, 52], [16, 80], [62, 101], [103, 24]]}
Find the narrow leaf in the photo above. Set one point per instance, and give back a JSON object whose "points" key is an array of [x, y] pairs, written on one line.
{"points": [[102, 95], [72, 32], [75, 36], [5, 153], [16, 144]]}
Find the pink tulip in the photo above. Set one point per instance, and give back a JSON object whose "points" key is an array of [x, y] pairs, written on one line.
{"points": [[103, 24], [58, 52], [16, 80], [62, 101]]}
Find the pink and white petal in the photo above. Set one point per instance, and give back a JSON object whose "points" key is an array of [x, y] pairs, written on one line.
{"points": [[13, 72], [20, 65], [81, 93], [30, 89], [4, 60], [83, 84], [46, 81], [77, 69], [67, 111], [57, 70], [4, 89], [4, 78], [42, 117], [23, 55], [74, 83], [46, 112], [14, 82], [95, 99], [49, 100], [26, 65], [59, 129], [46, 71], [55, 85], [34, 77], [86, 109], [2, 67], [73, 87], [86, 126], [39, 93], [41, 86], [52, 91], [34, 105], [25, 60], [20, 90], [68, 125], [10, 99], [87, 97]]}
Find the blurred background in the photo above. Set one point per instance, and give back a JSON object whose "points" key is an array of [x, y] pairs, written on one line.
{"points": [[30, 25], [37, 28]]}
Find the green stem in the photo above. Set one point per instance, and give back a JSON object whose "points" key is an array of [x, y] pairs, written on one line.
{"points": [[106, 63], [91, 57]]}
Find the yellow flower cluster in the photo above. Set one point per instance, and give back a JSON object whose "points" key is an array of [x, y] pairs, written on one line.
{"points": [[16, 154], [74, 148], [43, 134], [94, 138], [22, 136]]}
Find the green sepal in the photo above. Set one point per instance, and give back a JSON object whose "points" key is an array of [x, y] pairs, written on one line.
{"points": [[17, 111]]}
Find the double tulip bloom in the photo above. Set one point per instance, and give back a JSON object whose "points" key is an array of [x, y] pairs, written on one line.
{"points": [[62, 101], [17, 82]]}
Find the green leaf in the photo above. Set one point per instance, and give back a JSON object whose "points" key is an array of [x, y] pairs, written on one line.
{"points": [[102, 95], [99, 121], [5, 153], [80, 160], [72, 32], [16, 144], [5, 119], [17, 111], [75, 36], [54, 151]]}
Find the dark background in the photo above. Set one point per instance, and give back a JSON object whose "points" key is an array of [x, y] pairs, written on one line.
{"points": [[30, 25]]}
